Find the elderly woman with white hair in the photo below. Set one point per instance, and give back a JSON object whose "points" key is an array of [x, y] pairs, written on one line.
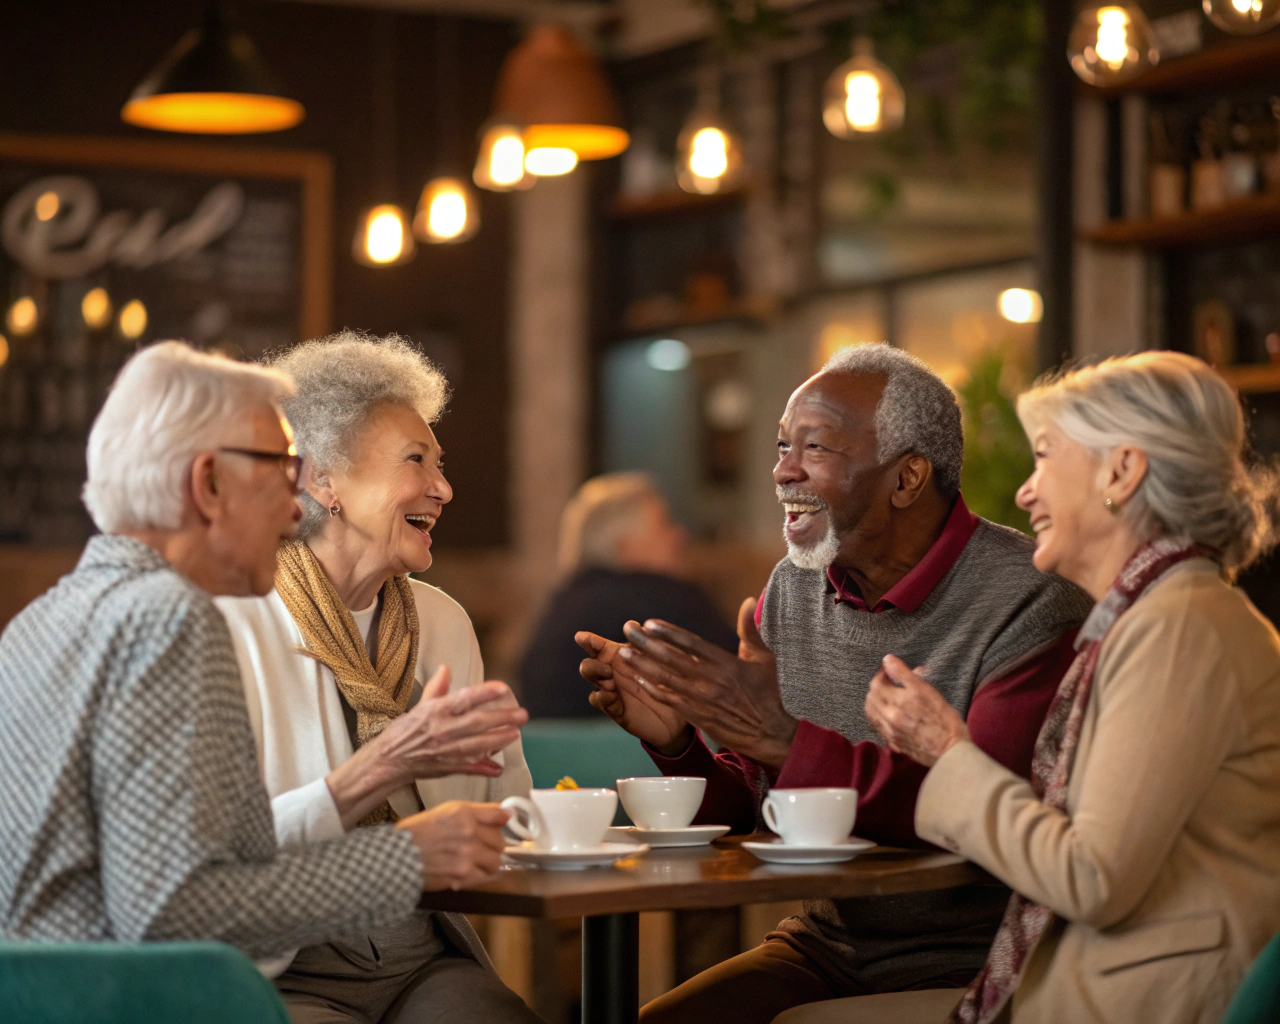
{"points": [[1144, 851], [365, 687]]}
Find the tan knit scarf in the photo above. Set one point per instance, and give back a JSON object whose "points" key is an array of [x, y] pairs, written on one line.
{"points": [[376, 693]]}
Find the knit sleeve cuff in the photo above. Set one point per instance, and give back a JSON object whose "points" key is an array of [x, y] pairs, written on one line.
{"points": [[307, 814]]}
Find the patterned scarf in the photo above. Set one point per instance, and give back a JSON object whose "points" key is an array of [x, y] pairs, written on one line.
{"points": [[1025, 921], [377, 694]]}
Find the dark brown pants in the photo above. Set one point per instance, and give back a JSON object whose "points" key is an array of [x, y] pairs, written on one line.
{"points": [[751, 988]]}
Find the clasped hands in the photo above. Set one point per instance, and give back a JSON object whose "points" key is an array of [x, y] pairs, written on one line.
{"points": [[665, 682]]}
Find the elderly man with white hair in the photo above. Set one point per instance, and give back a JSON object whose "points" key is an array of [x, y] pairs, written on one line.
{"points": [[131, 805], [883, 558]]}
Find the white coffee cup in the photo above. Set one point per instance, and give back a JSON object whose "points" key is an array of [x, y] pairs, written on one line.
{"points": [[811, 817], [669, 801], [561, 819]]}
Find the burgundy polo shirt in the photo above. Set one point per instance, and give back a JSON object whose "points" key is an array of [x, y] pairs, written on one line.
{"points": [[1004, 720]]}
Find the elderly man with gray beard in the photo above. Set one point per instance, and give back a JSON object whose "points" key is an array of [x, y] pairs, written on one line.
{"points": [[884, 560]]}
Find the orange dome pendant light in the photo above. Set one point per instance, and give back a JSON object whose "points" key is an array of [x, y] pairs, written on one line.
{"points": [[557, 90], [213, 82]]}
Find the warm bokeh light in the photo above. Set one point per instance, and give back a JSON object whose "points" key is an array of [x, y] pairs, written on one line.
{"points": [[133, 319], [1111, 43], [22, 317], [1243, 17], [95, 307], [446, 212], [550, 161], [709, 157], [500, 161], [383, 238], [862, 95], [4, 350], [588, 141], [214, 113], [1021, 305], [47, 206], [667, 354]]}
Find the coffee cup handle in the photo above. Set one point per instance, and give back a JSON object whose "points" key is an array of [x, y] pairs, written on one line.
{"points": [[766, 809], [515, 828]]}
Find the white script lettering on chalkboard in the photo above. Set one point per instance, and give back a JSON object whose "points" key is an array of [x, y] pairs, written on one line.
{"points": [[78, 241]]}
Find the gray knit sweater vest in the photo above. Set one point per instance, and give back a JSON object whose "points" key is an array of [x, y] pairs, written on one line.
{"points": [[990, 611]]}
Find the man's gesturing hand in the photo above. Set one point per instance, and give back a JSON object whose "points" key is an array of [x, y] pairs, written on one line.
{"points": [[620, 695], [913, 717], [461, 843], [735, 701]]}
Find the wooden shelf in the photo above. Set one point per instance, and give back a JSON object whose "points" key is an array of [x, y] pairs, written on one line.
{"points": [[1253, 379], [670, 204], [1242, 220], [1220, 66]]}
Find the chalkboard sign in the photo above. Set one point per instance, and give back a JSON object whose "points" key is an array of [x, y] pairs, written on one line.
{"points": [[108, 244]]}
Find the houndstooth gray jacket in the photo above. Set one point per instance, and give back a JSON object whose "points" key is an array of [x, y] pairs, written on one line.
{"points": [[131, 805]]}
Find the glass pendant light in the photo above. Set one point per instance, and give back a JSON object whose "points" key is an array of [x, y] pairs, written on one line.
{"points": [[1243, 17], [500, 162], [212, 81], [382, 237], [1111, 43], [862, 95], [447, 210], [708, 156]]}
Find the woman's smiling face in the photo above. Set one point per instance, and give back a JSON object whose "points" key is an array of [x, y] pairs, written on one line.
{"points": [[1063, 495], [394, 490]]}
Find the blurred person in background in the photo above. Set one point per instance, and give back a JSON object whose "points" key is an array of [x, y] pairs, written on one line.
{"points": [[624, 558], [1145, 848], [131, 804], [366, 688]]}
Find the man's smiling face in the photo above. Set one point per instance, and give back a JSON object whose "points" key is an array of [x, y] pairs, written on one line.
{"points": [[828, 474]]}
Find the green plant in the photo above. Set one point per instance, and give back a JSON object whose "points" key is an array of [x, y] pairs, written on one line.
{"points": [[997, 457]]}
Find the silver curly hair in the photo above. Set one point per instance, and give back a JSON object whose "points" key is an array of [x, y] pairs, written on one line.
{"points": [[917, 412], [1200, 484], [341, 380]]}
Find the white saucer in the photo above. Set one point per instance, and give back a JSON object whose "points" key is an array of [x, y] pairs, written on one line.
{"points": [[572, 860], [694, 835], [777, 852]]}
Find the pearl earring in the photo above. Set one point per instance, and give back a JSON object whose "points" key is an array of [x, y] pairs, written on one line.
{"points": [[1112, 507]]}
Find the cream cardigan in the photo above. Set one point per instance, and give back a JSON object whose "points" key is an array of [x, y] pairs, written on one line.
{"points": [[297, 716]]}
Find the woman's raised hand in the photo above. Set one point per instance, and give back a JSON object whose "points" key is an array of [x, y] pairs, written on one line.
{"points": [[621, 695], [913, 717], [443, 734], [447, 733], [461, 843]]}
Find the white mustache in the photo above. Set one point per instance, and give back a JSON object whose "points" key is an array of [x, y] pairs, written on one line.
{"points": [[795, 496]]}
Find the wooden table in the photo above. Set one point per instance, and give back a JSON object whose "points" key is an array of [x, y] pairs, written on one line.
{"points": [[609, 900]]}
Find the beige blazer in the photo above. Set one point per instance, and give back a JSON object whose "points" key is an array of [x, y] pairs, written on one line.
{"points": [[1165, 871]]}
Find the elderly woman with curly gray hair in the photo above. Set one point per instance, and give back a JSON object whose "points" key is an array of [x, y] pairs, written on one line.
{"points": [[366, 689], [1144, 850]]}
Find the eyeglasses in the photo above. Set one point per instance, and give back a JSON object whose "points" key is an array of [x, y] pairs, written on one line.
{"points": [[289, 462]]}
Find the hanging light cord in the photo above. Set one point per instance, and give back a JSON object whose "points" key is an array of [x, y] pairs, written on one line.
{"points": [[384, 105]]}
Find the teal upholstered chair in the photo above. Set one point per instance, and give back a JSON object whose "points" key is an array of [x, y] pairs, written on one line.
{"points": [[594, 751], [1257, 1000], [117, 983]]}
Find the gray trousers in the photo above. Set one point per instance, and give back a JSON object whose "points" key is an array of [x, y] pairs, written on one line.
{"points": [[405, 973]]}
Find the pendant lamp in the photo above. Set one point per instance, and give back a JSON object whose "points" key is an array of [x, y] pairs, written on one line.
{"points": [[557, 90], [447, 210], [1111, 43], [862, 96], [708, 156], [213, 81], [500, 162], [1243, 17], [382, 237]]}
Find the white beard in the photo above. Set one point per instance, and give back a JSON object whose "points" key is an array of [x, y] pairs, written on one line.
{"points": [[817, 556]]}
